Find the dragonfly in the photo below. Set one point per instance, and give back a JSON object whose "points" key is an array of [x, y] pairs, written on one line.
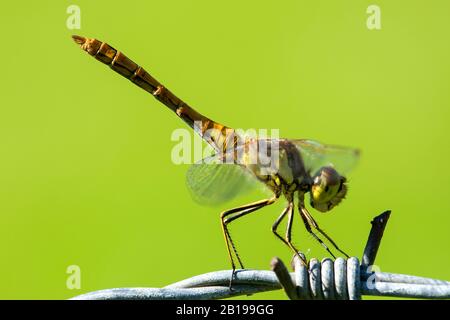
{"points": [[300, 167]]}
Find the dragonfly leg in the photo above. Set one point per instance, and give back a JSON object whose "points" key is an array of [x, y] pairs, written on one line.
{"points": [[287, 239], [228, 216], [309, 220], [309, 229]]}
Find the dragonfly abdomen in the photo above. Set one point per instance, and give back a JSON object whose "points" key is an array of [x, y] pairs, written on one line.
{"points": [[213, 132], [120, 63]]}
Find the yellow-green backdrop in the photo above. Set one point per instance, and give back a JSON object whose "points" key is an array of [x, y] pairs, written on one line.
{"points": [[86, 176]]}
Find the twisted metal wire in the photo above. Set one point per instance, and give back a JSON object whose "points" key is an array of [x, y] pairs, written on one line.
{"points": [[327, 279], [349, 280], [323, 280], [340, 279]]}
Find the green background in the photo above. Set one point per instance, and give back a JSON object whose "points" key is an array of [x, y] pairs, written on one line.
{"points": [[85, 168]]}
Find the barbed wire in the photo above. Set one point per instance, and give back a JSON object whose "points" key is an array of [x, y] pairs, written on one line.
{"points": [[327, 279]]}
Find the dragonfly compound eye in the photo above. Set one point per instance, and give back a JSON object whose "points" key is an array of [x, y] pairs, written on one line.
{"points": [[328, 189]]}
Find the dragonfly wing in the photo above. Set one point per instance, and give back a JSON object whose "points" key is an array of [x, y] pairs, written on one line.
{"points": [[316, 155], [212, 182]]}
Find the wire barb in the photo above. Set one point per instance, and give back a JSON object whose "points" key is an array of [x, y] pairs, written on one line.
{"points": [[374, 240]]}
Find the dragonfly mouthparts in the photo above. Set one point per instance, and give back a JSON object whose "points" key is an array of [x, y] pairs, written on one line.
{"points": [[78, 39]]}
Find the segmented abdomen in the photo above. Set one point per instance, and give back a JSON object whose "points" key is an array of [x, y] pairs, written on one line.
{"points": [[215, 134]]}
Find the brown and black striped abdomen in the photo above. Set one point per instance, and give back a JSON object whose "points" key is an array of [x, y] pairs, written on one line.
{"points": [[214, 133]]}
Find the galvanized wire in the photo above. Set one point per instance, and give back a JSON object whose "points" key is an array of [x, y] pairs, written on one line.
{"points": [[342, 279], [309, 285]]}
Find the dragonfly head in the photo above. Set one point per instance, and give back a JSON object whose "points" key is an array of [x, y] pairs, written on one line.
{"points": [[328, 189]]}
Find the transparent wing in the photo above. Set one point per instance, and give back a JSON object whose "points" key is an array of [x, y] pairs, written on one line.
{"points": [[212, 182], [316, 155]]}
